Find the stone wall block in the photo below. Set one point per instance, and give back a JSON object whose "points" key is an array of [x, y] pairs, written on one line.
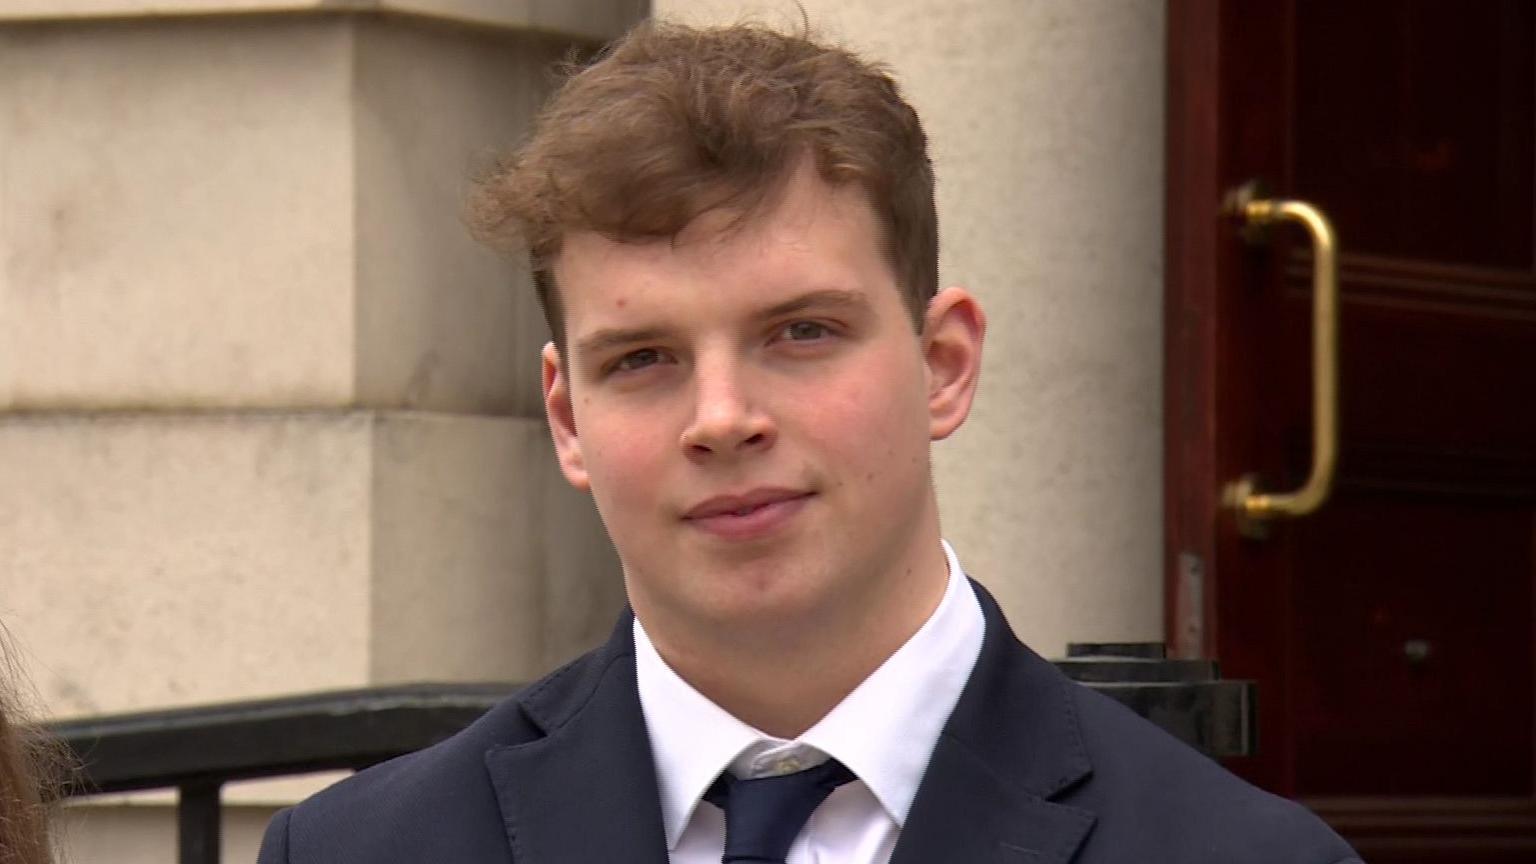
{"points": [[175, 212], [152, 561], [262, 211]]}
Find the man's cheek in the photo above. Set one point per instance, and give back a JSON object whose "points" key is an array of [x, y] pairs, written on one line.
{"points": [[631, 465], [860, 420]]}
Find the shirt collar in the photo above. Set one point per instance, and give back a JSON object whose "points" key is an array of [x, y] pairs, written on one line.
{"points": [[692, 738], [884, 731]]}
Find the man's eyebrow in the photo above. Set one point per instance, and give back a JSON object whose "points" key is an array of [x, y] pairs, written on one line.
{"points": [[607, 339], [819, 299]]}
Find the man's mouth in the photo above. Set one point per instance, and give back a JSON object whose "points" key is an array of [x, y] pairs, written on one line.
{"points": [[748, 516], [743, 505]]}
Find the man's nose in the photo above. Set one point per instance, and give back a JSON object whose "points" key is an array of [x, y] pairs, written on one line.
{"points": [[726, 419]]}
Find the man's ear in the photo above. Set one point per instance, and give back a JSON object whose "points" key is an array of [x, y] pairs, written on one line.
{"points": [[562, 419], [953, 331]]}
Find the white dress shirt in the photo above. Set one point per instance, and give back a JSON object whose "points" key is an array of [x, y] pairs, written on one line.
{"points": [[884, 732]]}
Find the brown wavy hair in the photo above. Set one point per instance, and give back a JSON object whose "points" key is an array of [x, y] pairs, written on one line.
{"points": [[31, 767], [672, 121]]}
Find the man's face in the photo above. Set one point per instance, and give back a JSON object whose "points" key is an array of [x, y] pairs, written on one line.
{"points": [[751, 408]]}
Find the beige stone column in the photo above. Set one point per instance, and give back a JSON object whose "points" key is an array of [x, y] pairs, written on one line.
{"points": [[1046, 122], [269, 419]]}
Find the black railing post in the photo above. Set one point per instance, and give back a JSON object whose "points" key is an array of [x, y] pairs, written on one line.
{"points": [[197, 824]]}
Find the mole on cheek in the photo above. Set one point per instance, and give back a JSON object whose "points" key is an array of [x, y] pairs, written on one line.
{"points": [[621, 303]]}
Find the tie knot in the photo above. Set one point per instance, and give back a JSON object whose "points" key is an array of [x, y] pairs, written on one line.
{"points": [[763, 816]]}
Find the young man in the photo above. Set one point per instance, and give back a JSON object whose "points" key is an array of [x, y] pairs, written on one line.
{"points": [[733, 235]]}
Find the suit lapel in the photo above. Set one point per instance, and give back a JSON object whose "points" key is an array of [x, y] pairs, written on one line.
{"points": [[965, 811], [1011, 745], [586, 791]]}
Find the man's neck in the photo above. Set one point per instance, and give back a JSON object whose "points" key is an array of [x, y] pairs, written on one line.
{"points": [[784, 677]]}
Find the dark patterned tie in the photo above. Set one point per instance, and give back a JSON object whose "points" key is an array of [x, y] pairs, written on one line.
{"points": [[763, 816]]}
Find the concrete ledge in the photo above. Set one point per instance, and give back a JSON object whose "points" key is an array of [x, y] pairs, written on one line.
{"points": [[592, 20]]}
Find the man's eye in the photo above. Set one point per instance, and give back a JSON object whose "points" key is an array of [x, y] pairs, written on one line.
{"points": [[806, 331], [636, 360]]}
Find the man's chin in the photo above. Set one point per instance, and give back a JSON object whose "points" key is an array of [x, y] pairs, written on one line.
{"points": [[760, 600], [757, 586]]}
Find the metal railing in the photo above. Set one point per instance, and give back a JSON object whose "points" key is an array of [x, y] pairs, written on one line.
{"points": [[198, 750]]}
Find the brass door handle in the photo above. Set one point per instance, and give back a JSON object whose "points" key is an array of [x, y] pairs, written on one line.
{"points": [[1255, 508]]}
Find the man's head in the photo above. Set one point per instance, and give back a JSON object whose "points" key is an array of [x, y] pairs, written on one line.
{"points": [[673, 122], [736, 230]]}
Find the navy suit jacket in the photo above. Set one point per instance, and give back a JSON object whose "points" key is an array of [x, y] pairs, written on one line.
{"points": [[1031, 768]]}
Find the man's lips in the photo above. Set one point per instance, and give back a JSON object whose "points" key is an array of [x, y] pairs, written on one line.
{"points": [[755, 515], [742, 505]]}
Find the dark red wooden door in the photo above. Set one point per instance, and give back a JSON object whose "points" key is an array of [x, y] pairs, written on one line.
{"points": [[1391, 632]]}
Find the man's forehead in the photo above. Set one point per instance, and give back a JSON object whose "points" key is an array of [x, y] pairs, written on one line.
{"points": [[790, 212]]}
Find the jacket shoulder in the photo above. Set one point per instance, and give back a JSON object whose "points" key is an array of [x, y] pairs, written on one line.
{"points": [[434, 804]]}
